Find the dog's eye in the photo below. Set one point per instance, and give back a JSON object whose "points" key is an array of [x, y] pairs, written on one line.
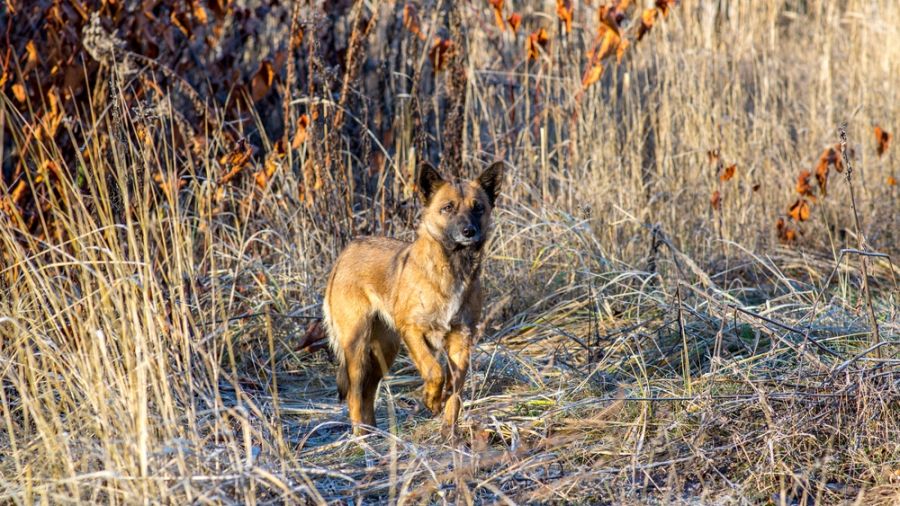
{"points": [[477, 207], [448, 208]]}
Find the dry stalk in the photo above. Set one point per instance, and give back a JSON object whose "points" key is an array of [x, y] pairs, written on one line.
{"points": [[861, 243]]}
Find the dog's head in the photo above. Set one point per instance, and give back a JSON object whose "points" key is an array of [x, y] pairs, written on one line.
{"points": [[458, 214]]}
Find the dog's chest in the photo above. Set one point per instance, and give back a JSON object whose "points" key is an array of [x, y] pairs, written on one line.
{"points": [[453, 304], [444, 312]]}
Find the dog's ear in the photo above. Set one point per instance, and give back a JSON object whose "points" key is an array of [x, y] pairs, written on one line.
{"points": [[429, 181], [491, 179]]}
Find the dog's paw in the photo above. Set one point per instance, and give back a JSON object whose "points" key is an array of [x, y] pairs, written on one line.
{"points": [[434, 402]]}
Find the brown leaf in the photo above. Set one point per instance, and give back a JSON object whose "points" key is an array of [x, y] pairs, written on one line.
{"points": [[18, 90], [300, 135], [236, 161], [883, 138], [297, 39], [606, 41], [785, 232], [181, 21], [803, 187], [262, 81], [620, 50], [497, 7], [515, 21], [536, 41], [263, 176], [564, 10], [32, 59], [665, 5], [716, 200], [822, 176], [440, 53], [592, 75], [199, 12], [648, 17], [799, 211], [411, 20], [611, 16], [728, 172]]}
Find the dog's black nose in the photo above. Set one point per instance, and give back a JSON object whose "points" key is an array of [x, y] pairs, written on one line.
{"points": [[469, 231]]}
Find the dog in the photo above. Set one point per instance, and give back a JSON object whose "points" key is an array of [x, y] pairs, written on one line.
{"points": [[426, 294]]}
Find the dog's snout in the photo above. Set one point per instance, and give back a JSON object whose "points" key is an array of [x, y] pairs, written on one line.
{"points": [[469, 231]]}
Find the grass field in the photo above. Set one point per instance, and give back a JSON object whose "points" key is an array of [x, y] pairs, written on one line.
{"points": [[660, 328]]}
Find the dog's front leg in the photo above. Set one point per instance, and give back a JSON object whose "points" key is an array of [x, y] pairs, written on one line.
{"points": [[458, 345], [426, 362]]}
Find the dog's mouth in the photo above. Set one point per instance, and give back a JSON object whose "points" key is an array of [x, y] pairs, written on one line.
{"points": [[466, 242]]}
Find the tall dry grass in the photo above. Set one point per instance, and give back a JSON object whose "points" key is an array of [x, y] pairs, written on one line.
{"points": [[639, 344]]}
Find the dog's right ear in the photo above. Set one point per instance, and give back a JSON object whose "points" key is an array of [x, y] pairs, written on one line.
{"points": [[429, 181]]}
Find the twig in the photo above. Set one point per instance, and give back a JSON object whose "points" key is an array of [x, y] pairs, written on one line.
{"points": [[275, 314], [861, 242], [861, 354]]}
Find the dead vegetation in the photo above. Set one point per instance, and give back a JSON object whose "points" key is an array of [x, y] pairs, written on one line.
{"points": [[675, 315]]}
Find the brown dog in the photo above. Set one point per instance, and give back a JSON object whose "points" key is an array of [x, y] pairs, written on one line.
{"points": [[426, 294]]}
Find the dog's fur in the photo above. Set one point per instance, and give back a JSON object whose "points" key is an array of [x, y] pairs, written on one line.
{"points": [[426, 294]]}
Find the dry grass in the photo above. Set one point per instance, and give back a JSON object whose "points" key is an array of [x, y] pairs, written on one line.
{"points": [[640, 347]]}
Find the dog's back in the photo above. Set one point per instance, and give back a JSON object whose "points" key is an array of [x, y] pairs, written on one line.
{"points": [[362, 277]]}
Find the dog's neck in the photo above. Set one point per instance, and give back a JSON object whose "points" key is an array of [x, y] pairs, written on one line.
{"points": [[457, 265]]}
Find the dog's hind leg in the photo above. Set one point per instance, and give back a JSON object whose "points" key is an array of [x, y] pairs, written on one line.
{"points": [[351, 378], [384, 346]]}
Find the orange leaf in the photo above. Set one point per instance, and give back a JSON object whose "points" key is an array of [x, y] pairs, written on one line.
{"points": [[262, 176], [297, 39], [664, 6], [822, 176], [803, 187], [891, 181], [883, 138], [411, 20], [592, 75], [785, 232], [497, 6], [648, 17], [716, 200], [180, 20], [278, 149], [603, 45], [18, 90], [32, 59], [611, 16], [515, 20], [620, 50], [301, 134], [262, 81], [728, 172], [237, 160], [800, 210], [200, 13], [537, 40], [564, 10], [440, 53]]}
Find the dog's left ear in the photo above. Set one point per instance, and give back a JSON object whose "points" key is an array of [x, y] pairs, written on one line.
{"points": [[491, 179]]}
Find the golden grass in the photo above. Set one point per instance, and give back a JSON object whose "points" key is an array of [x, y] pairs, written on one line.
{"points": [[639, 345]]}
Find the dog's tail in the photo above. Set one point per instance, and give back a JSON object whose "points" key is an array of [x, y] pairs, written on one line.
{"points": [[343, 380]]}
